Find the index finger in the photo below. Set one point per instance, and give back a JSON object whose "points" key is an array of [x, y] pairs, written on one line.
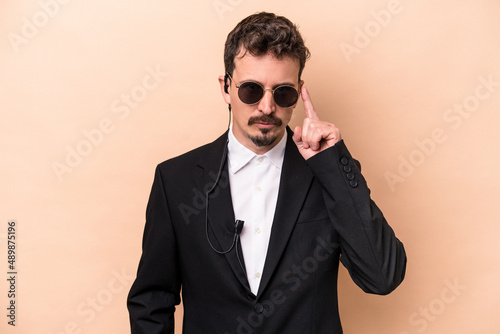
{"points": [[308, 106]]}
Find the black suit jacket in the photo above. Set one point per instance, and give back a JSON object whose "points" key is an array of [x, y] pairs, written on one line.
{"points": [[324, 214]]}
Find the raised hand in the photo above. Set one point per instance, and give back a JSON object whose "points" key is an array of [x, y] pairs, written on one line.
{"points": [[315, 135]]}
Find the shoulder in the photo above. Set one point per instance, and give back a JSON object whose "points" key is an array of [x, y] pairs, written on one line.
{"points": [[186, 161]]}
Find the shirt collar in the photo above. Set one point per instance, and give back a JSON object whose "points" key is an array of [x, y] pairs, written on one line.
{"points": [[239, 156]]}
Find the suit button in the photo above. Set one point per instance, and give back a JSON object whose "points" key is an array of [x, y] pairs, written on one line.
{"points": [[258, 308], [353, 183], [344, 161], [347, 169], [350, 176]]}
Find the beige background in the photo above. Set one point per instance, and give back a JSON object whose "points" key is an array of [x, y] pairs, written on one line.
{"points": [[395, 88]]}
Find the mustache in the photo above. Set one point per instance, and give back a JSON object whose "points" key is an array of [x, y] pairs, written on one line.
{"points": [[265, 119]]}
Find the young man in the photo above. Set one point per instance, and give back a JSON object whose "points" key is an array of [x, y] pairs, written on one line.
{"points": [[254, 238]]}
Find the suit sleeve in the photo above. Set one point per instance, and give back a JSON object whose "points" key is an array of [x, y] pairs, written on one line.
{"points": [[372, 254], [156, 290]]}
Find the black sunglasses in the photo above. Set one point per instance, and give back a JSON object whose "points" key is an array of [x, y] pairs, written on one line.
{"points": [[251, 92]]}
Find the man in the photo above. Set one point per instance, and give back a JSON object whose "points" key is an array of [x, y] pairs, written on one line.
{"points": [[254, 240]]}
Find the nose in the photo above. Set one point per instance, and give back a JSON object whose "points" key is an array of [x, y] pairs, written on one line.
{"points": [[267, 104]]}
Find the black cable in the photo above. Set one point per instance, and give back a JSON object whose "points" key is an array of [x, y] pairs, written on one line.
{"points": [[207, 196]]}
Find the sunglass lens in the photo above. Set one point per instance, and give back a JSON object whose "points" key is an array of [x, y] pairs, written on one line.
{"points": [[250, 92], [286, 96]]}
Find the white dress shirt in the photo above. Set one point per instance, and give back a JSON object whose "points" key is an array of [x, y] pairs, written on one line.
{"points": [[254, 182]]}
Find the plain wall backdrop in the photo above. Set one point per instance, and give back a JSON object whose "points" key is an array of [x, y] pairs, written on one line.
{"points": [[94, 94]]}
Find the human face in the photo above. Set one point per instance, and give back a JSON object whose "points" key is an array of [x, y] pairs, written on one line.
{"points": [[260, 126]]}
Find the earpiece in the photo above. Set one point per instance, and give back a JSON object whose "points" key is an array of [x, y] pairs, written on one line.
{"points": [[226, 86]]}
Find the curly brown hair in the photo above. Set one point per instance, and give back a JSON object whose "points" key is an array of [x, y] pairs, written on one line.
{"points": [[263, 33]]}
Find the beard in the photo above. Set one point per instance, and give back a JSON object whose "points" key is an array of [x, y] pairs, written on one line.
{"points": [[265, 138]]}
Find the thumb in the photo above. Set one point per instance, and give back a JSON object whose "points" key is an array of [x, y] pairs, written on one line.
{"points": [[297, 135]]}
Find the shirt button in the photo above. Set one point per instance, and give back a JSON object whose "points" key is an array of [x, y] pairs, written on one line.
{"points": [[261, 159], [258, 188], [257, 275], [257, 230]]}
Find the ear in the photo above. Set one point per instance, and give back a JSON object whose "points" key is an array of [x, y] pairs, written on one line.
{"points": [[225, 96], [301, 83]]}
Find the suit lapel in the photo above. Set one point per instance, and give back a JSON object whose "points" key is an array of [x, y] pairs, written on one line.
{"points": [[221, 218], [294, 184]]}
